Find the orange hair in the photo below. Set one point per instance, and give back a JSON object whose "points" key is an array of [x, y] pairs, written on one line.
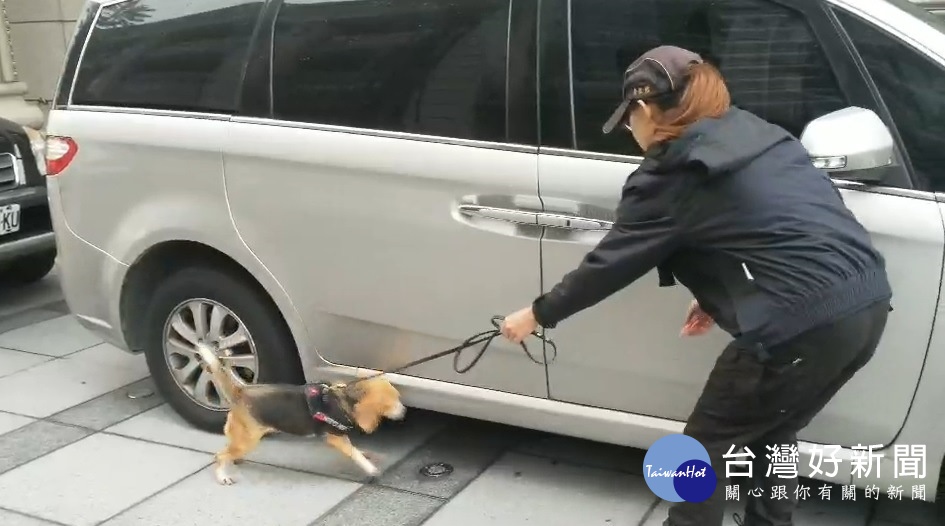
{"points": [[706, 95]]}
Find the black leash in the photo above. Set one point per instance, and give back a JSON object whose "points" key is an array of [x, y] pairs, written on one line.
{"points": [[485, 338]]}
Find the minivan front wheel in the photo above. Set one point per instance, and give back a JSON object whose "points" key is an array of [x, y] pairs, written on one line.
{"points": [[219, 310]]}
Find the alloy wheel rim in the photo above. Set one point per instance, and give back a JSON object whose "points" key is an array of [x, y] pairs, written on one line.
{"points": [[204, 322]]}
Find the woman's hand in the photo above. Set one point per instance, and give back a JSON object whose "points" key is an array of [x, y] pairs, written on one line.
{"points": [[697, 321], [518, 325]]}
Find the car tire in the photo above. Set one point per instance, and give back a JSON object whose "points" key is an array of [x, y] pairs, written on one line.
{"points": [[275, 350], [28, 269]]}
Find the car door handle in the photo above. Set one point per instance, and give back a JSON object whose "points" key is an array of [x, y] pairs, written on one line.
{"points": [[572, 222], [508, 215]]}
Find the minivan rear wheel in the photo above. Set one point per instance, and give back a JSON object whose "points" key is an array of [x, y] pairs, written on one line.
{"points": [[212, 307]]}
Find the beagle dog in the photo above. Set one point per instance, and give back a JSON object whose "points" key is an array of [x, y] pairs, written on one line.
{"points": [[328, 411]]}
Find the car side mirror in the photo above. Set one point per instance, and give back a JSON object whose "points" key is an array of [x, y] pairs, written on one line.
{"points": [[852, 144]]}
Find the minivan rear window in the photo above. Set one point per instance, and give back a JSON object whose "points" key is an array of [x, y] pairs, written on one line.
{"points": [[416, 66], [167, 54]]}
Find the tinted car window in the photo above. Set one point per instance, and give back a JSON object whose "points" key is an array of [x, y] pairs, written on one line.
{"points": [[435, 68], [913, 88], [167, 54], [768, 54]]}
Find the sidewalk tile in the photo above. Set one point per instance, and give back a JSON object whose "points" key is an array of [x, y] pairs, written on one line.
{"points": [[9, 518], [10, 422], [15, 361], [523, 489], [393, 442], [112, 407], [262, 496], [374, 505], [60, 307], [95, 478], [587, 453], [56, 337], [913, 513], [469, 449], [35, 440], [26, 318], [163, 425], [811, 512], [59, 384]]}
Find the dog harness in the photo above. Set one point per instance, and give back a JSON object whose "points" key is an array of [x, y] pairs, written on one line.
{"points": [[325, 408]]}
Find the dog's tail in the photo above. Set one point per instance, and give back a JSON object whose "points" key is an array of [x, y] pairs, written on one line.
{"points": [[223, 377]]}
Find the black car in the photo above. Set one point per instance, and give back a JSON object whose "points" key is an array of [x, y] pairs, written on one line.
{"points": [[27, 243]]}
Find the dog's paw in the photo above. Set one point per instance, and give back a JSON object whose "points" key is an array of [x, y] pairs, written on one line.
{"points": [[366, 465], [223, 477]]}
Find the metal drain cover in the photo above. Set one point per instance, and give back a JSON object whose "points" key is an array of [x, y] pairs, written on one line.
{"points": [[437, 469]]}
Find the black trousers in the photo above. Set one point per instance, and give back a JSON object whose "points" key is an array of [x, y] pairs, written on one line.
{"points": [[755, 402]]}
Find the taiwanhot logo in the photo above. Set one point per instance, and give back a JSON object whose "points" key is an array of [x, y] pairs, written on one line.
{"points": [[677, 469]]}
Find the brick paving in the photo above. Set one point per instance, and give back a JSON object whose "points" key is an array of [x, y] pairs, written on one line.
{"points": [[85, 441]]}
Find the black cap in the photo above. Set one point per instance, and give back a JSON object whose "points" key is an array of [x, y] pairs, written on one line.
{"points": [[659, 71]]}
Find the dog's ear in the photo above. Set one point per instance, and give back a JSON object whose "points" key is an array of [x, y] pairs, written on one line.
{"points": [[372, 401], [366, 415]]}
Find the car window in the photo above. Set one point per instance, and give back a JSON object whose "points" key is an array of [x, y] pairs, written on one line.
{"points": [[167, 54], [913, 88], [434, 68], [768, 54]]}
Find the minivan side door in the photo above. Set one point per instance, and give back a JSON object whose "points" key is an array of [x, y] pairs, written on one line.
{"points": [[387, 177], [784, 62]]}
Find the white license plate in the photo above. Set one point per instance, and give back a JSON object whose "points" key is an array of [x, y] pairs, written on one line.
{"points": [[9, 219]]}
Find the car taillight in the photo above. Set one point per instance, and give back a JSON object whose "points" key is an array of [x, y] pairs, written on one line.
{"points": [[59, 154]]}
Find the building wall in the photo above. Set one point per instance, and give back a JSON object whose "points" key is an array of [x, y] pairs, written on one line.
{"points": [[41, 31]]}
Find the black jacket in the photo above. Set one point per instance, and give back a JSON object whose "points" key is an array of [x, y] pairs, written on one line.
{"points": [[735, 211]]}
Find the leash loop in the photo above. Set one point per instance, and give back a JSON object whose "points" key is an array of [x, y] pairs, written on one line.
{"points": [[485, 338]]}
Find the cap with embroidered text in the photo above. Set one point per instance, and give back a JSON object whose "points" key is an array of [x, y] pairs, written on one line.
{"points": [[659, 71]]}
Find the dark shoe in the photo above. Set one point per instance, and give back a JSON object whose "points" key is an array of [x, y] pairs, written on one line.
{"points": [[738, 519]]}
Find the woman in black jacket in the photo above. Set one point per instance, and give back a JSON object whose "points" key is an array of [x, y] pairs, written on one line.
{"points": [[730, 206]]}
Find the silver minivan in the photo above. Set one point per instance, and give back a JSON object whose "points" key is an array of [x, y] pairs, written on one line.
{"points": [[318, 187]]}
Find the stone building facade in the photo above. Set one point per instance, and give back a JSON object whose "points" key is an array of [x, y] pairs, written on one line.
{"points": [[37, 34]]}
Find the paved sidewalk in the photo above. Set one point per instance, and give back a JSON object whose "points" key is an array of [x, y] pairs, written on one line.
{"points": [[84, 441]]}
